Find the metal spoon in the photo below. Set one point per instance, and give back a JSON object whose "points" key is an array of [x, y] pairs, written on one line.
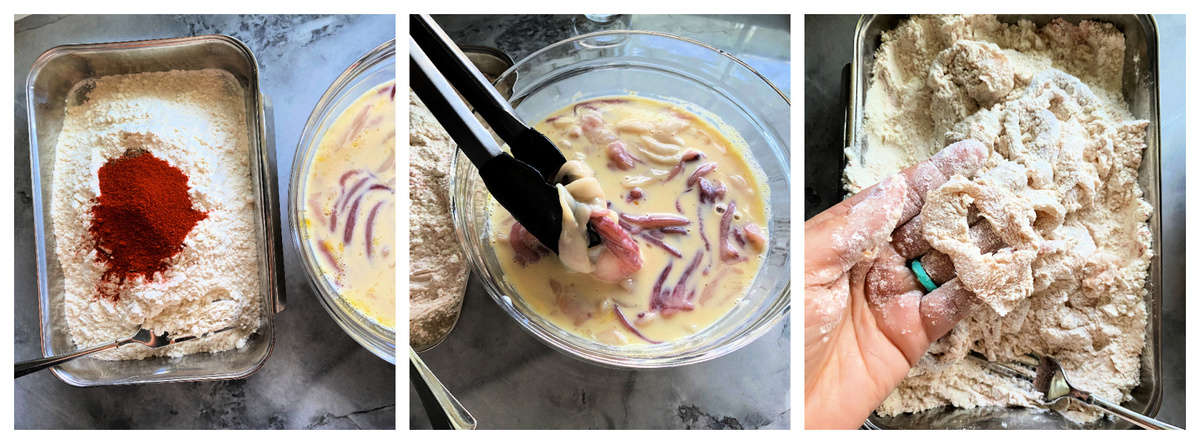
{"points": [[451, 413], [143, 336], [443, 409], [1051, 380]]}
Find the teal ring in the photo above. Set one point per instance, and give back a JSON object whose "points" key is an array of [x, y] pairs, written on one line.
{"points": [[922, 276]]}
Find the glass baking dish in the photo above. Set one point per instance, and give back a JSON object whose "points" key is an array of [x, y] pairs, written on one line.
{"points": [[50, 80], [1140, 88]]}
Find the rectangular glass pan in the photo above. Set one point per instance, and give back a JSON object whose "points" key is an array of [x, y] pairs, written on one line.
{"points": [[50, 80], [1140, 88]]}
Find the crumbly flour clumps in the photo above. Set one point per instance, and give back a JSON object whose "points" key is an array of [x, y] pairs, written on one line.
{"points": [[438, 270], [195, 121], [1060, 188]]}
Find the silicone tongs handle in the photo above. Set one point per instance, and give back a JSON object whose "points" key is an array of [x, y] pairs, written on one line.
{"points": [[526, 144], [461, 73], [518, 187], [452, 113]]}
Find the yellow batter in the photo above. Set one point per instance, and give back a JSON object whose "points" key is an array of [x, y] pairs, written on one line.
{"points": [[351, 204], [670, 178]]}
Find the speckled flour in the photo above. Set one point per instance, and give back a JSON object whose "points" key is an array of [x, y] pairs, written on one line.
{"points": [[1060, 188], [195, 121], [438, 271]]}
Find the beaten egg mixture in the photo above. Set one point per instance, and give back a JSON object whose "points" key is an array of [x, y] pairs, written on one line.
{"points": [[351, 203], [682, 211]]}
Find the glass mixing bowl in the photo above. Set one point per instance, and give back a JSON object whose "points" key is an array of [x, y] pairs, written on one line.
{"points": [[666, 68], [372, 69]]}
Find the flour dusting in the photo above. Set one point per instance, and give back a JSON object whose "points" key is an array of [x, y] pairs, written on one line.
{"points": [[195, 121], [1059, 189]]}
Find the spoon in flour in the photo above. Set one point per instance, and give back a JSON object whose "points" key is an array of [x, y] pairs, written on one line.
{"points": [[143, 336], [1051, 380]]}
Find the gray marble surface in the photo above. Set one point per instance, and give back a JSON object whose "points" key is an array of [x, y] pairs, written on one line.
{"points": [[510, 380], [829, 47], [317, 376]]}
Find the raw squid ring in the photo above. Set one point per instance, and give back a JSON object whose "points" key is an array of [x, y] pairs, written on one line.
{"points": [[922, 276]]}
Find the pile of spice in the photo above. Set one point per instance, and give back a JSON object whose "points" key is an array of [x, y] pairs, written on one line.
{"points": [[141, 218], [153, 212]]}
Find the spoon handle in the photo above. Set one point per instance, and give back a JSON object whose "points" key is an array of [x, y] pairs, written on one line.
{"points": [[448, 413], [1141, 420], [27, 367]]}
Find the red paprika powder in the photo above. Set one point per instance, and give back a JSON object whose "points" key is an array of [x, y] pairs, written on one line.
{"points": [[140, 219]]}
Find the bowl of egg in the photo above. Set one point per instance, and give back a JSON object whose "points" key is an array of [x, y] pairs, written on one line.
{"points": [[685, 150], [342, 200]]}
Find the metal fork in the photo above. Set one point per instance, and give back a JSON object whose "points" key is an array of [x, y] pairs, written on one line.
{"points": [[1050, 379], [143, 336]]}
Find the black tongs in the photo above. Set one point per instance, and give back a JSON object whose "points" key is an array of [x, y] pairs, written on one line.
{"points": [[523, 183]]}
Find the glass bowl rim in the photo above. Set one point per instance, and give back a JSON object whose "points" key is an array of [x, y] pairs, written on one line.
{"points": [[583, 37]]}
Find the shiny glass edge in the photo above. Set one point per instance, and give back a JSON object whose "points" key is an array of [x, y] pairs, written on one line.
{"points": [[379, 340]]}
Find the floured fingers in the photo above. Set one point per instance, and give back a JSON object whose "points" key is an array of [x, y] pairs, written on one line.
{"points": [[964, 157], [894, 297], [944, 307], [851, 230], [912, 320]]}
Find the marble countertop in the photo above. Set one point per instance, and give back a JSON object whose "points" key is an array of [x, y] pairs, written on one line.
{"points": [[829, 48], [317, 377], [508, 379]]}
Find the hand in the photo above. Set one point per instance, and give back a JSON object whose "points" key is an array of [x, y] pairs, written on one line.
{"points": [[866, 320]]}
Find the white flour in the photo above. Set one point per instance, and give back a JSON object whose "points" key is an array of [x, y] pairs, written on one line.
{"points": [[1060, 188], [438, 271], [195, 121]]}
